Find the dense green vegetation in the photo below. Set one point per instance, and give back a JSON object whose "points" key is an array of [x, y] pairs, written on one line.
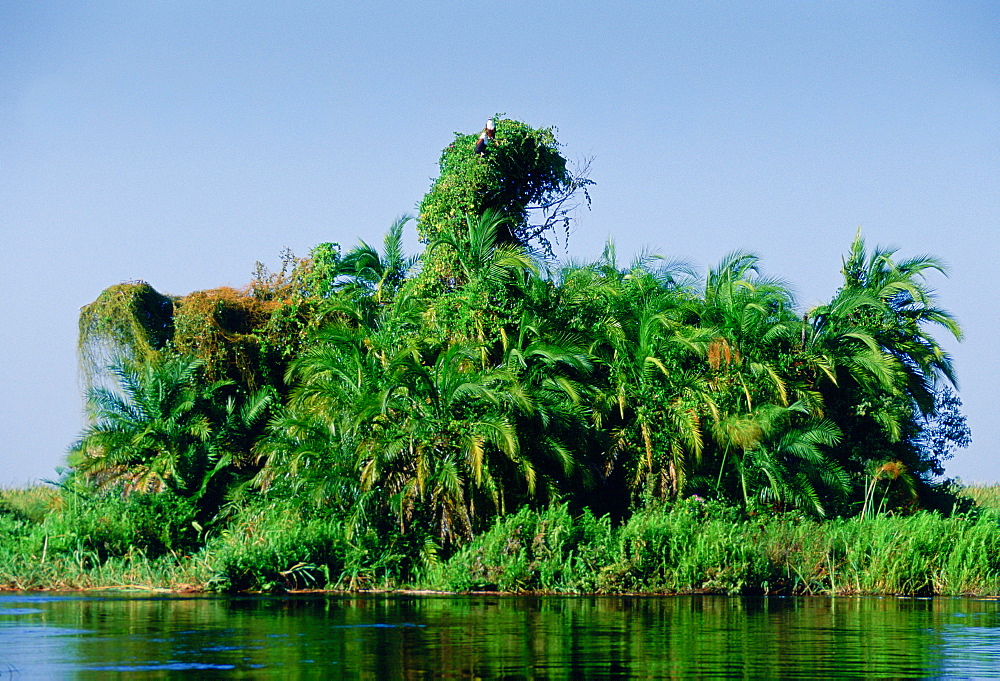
{"points": [[689, 546], [481, 417]]}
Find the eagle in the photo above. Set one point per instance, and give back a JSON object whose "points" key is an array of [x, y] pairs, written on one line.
{"points": [[485, 137]]}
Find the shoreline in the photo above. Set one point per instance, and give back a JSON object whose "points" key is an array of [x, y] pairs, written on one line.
{"points": [[682, 549], [162, 591]]}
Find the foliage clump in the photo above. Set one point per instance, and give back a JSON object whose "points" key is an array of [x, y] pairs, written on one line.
{"points": [[243, 335], [218, 326], [130, 319], [521, 177]]}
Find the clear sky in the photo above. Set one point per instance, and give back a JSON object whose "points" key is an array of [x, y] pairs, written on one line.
{"points": [[180, 142]]}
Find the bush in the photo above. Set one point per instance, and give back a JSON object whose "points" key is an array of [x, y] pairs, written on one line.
{"points": [[693, 545], [272, 549], [530, 550], [31, 503], [110, 524]]}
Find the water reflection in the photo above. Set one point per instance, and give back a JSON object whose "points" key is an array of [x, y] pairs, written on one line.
{"points": [[392, 636]]}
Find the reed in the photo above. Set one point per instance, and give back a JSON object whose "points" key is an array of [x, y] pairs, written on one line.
{"points": [[985, 496], [548, 550], [31, 503], [691, 548], [53, 542]]}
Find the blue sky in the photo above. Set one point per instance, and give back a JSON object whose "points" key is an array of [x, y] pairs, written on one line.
{"points": [[181, 142]]}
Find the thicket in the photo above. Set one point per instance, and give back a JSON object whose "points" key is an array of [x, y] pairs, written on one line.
{"points": [[689, 546], [483, 417]]}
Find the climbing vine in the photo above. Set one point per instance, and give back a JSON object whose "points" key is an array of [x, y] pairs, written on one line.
{"points": [[520, 174], [130, 320]]}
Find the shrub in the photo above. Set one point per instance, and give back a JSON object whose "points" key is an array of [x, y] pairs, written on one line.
{"points": [[111, 524], [531, 550]]}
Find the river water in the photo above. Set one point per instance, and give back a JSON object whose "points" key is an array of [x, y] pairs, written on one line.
{"points": [[54, 636]]}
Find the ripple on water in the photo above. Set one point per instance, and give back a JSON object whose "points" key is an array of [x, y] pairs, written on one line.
{"points": [[161, 666]]}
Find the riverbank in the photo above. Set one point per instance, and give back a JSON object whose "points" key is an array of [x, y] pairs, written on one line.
{"points": [[692, 546]]}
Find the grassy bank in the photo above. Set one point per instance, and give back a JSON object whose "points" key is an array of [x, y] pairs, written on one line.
{"points": [[694, 548], [49, 539]]}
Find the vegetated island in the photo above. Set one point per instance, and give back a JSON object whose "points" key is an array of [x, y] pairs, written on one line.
{"points": [[480, 417]]}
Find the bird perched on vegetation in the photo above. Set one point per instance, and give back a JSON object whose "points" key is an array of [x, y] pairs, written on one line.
{"points": [[489, 132]]}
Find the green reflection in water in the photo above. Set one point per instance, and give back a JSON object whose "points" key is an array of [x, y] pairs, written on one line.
{"points": [[393, 636]]}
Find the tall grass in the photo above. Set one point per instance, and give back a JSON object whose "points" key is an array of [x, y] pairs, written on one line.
{"points": [[54, 540], [985, 496], [57, 539], [530, 550], [30, 503], [693, 548]]}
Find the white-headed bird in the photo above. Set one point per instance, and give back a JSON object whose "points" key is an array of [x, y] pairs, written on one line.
{"points": [[485, 137]]}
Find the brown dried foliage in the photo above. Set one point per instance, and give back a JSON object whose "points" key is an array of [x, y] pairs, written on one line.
{"points": [[243, 335]]}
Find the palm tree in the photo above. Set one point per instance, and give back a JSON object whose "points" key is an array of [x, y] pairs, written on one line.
{"points": [[473, 286], [379, 275], [881, 365], [840, 352], [443, 442], [553, 370], [908, 308], [309, 463], [782, 457], [636, 322], [646, 366], [426, 423], [769, 440], [159, 429], [752, 317], [478, 253]]}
